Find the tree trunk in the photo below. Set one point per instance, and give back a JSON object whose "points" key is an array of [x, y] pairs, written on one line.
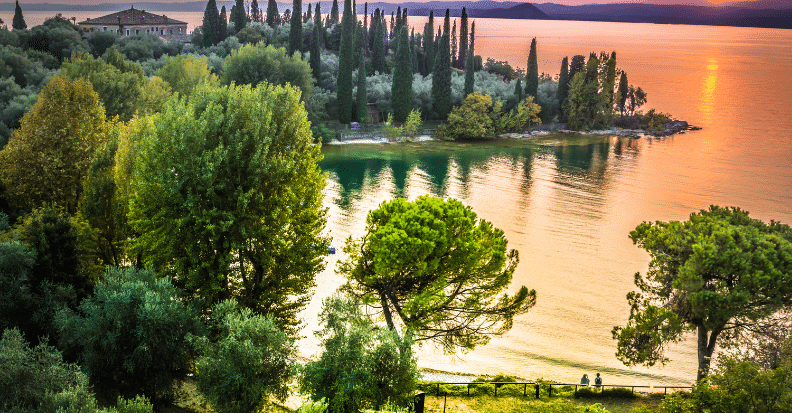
{"points": [[706, 346], [386, 311]]}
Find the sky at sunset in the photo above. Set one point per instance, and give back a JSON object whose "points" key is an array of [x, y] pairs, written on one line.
{"points": [[567, 2]]}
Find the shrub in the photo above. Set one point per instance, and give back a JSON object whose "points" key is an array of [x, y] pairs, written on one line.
{"points": [[392, 132], [412, 126], [322, 133], [253, 64], [251, 360], [472, 120]]}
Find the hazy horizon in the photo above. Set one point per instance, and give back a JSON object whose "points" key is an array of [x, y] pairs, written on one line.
{"points": [[565, 2]]}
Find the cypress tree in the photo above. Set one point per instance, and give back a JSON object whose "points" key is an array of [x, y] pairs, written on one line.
{"points": [[469, 69], [610, 80], [454, 46], [624, 90], [272, 13], [308, 16], [334, 12], [238, 16], [392, 33], [295, 29], [360, 49], [223, 25], [398, 26], [361, 99], [441, 79], [473, 36], [378, 45], [255, 12], [401, 88], [428, 44], [211, 23], [447, 24], [518, 91], [316, 42], [563, 83], [18, 23], [463, 39], [404, 17], [345, 56], [414, 51], [532, 74], [592, 68], [577, 65]]}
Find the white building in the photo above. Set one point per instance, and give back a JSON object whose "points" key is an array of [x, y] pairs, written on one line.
{"points": [[132, 22]]}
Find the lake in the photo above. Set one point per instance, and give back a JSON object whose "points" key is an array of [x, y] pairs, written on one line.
{"points": [[568, 204]]}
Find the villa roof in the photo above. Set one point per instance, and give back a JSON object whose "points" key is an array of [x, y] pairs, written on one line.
{"points": [[132, 17]]}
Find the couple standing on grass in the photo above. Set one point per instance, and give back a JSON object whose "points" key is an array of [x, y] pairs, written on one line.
{"points": [[597, 381]]}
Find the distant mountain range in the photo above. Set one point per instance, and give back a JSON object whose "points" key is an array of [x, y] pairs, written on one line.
{"points": [[751, 13]]}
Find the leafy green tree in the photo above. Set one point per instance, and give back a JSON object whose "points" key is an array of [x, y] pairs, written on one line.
{"points": [[58, 37], [227, 198], [272, 13], [295, 30], [19, 22], [361, 98], [401, 90], [184, 73], [438, 269], [211, 24], [362, 365], [577, 65], [563, 82], [532, 73], [474, 119], [133, 334], [584, 103], [100, 41], [118, 82], [254, 64], [250, 360], [345, 64], [609, 83], [21, 304], [47, 157], [717, 273]]}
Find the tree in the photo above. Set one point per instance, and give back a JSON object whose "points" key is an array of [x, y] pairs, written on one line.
{"points": [[295, 30], [18, 23], [378, 44], [250, 360], [233, 208], [469, 79], [441, 79], [272, 13], [334, 13], [532, 74], [253, 64], [624, 90], [345, 64], [184, 73], [463, 39], [47, 157], [428, 44], [361, 366], [401, 89], [222, 27], [316, 43], [361, 98], [437, 269], [563, 82], [133, 334], [211, 24], [238, 15], [255, 12], [717, 273], [577, 65]]}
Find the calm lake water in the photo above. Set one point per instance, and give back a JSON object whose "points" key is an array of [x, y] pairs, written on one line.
{"points": [[568, 204]]}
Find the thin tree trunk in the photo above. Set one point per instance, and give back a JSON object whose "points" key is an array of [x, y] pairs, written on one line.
{"points": [[387, 312], [706, 346]]}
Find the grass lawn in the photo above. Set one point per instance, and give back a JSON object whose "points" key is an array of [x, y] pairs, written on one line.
{"points": [[510, 404]]}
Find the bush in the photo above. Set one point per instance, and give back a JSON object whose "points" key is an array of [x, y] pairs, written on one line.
{"points": [[472, 120], [412, 126], [322, 133], [251, 360], [362, 366], [133, 334], [253, 64]]}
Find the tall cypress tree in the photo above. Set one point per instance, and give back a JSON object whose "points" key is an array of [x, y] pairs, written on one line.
{"points": [[378, 44], [316, 44], [577, 65], [255, 11], [563, 83], [441, 79], [532, 74], [454, 46], [463, 39], [223, 25], [334, 12], [211, 22], [519, 94], [401, 88], [610, 80], [428, 44], [18, 23], [295, 29], [238, 15], [624, 90], [308, 16], [469, 69], [345, 56], [272, 13], [414, 51], [447, 24], [360, 49], [361, 98], [398, 26]]}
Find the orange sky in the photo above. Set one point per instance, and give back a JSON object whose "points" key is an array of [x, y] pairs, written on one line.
{"points": [[568, 2]]}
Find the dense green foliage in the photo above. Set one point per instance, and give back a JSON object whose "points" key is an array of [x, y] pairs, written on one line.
{"points": [[253, 64], [184, 73], [717, 273], [441, 79], [415, 265], [132, 334], [401, 93], [345, 64], [228, 198], [249, 361], [362, 366]]}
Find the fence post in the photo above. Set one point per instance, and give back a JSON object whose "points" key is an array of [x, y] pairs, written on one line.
{"points": [[525, 389], [496, 390], [537, 390], [468, 386], [438, 389]]}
